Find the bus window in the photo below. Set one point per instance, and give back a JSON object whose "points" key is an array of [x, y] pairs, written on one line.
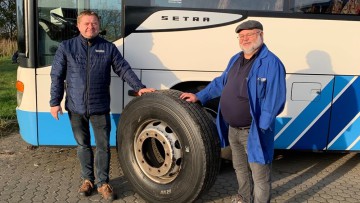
{"points": [[138, 2], [109, 12], [255, 5], [336, 7], [279, 5], [21, 27], [349, 7], [258, 5], [57, 22]]}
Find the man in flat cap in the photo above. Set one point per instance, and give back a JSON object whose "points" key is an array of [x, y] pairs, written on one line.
{"points": [[252, 92]]}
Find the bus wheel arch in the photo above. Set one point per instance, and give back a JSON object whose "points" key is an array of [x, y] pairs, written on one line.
{"points": [[195, 86], [211, 107], [168, 148]]}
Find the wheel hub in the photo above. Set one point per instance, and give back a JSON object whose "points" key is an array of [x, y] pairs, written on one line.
{"points": [[158, 152]]}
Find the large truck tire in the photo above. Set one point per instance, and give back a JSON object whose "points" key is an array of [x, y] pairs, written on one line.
{"points": [[168, 148]]}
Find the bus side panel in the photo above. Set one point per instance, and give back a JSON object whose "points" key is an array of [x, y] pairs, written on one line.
{"points": [[27, 124], [26, 111], [55, 132], [59, 133], [182, 45], [345, 121], [308, 107], [315, 136]]}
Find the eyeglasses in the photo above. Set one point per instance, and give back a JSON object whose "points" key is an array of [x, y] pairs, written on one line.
{"points": [[249, 35]]}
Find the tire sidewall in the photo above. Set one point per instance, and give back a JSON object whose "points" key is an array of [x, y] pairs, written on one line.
{"points": [[189, 179]]}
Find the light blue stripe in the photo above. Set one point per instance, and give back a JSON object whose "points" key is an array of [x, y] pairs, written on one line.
{"points": [[347, 137], [54, 132], [27, 125], [356, 146], [341, 82]]}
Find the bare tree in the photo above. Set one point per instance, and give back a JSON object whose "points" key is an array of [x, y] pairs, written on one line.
{"points": [[110, 21], [8, 19]]}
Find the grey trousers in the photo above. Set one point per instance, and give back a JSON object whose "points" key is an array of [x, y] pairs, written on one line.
{"points": [[254, 179]]}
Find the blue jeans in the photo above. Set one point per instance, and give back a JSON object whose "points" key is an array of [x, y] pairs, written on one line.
{"points": [[254, 179], [81, 129]]}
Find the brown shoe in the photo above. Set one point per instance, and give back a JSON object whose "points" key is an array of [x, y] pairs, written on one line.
{"points": [[106, 191], [237, 199], [86, 188]]}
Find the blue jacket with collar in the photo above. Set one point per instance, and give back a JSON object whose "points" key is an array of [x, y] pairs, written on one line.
{"points": [[267, 96], [83, 67]]}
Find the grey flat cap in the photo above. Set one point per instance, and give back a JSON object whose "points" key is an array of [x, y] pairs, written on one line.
{"points": [[249, 25]]}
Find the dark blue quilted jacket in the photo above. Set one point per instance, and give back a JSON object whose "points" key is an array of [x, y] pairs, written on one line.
{"points": [[84, 68]]}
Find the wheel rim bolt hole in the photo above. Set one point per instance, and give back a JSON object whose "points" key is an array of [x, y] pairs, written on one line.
{"points": [[178, 162], [177, 144], [168, 130]]}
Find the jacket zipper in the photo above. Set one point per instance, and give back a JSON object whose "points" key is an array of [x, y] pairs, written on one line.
{"points": [[87, 77]]}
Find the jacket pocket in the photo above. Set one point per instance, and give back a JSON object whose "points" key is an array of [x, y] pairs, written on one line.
{"points": [[261, 87]]}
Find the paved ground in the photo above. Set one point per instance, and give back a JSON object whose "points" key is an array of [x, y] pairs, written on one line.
{"points": [[46, 174]]}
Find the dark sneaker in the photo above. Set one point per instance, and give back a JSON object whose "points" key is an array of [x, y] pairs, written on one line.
{"points": [[106, 191], [86, 188]]}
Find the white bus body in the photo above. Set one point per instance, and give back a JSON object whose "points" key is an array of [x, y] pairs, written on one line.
{"points": [[183, 45]]}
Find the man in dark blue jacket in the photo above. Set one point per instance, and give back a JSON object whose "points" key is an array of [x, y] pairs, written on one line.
{"points": [[253, 93], [83, 65]]}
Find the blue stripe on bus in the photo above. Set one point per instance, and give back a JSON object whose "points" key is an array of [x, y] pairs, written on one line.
{"points": [[316, 136], [55, 132], [348, 137], [27, 126], [341, 82], [280, 122], [305, 118], [345, 109]]}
